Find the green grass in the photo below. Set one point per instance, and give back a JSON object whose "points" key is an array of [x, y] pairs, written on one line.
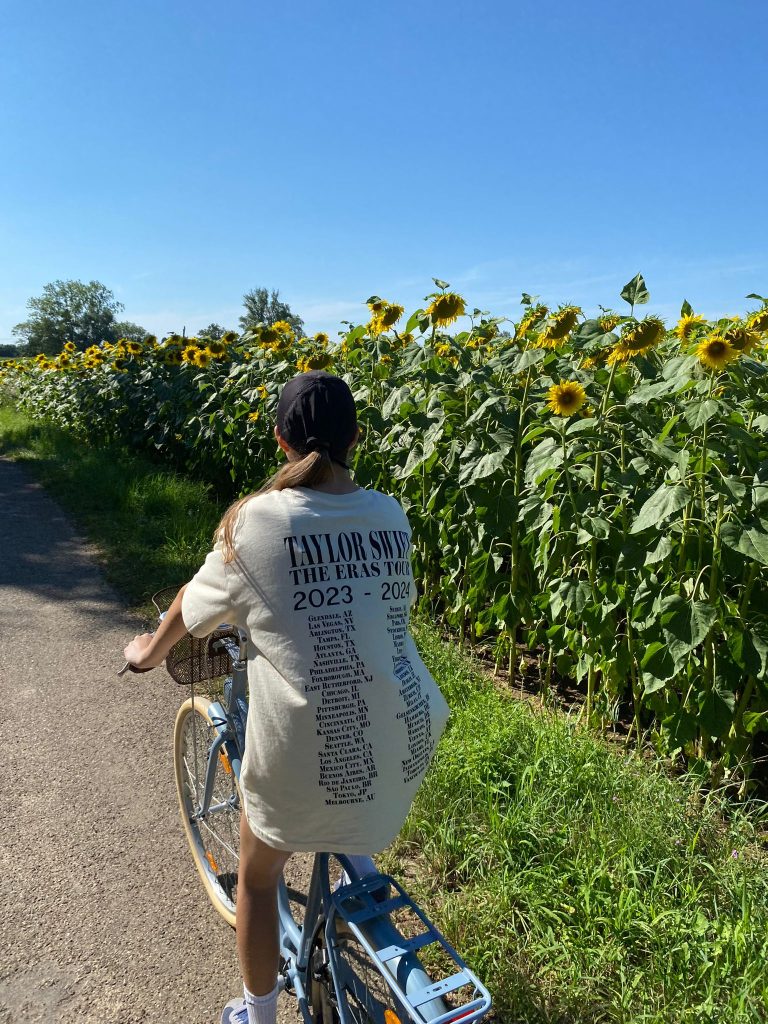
{"points": [[585, 886], [581, 884], [152, 526]]}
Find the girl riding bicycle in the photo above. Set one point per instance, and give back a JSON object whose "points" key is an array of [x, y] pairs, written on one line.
{"points": [[344, 716]]}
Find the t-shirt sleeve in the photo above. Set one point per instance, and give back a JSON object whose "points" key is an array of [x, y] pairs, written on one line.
{"points": [[207, 602]]}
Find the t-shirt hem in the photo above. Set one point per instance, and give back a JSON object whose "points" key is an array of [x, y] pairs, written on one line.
{"points": [[317, 846]]}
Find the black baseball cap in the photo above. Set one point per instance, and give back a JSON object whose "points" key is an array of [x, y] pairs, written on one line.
{"points": [[317, 411]]}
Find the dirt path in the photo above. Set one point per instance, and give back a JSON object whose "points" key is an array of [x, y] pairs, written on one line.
{"points": [[102, 916]]}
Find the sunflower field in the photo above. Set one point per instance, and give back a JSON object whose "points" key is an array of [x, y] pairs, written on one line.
{"points": [[591, 493]]}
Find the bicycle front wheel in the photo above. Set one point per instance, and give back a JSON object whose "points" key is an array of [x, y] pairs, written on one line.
{"points": [[214, 837]]}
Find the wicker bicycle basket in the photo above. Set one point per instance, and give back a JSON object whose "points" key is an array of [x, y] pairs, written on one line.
{"points": [[192, 659]]}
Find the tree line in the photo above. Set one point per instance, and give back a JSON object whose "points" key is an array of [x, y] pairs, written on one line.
{"points": [[87, 314]]}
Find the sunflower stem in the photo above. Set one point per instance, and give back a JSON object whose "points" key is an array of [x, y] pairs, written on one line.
{"points": [[751, 577], [715, 570], [741, 707], [703, 478]]}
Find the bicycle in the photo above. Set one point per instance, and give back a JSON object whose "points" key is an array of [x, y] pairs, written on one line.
{"points": [[343, 954]]}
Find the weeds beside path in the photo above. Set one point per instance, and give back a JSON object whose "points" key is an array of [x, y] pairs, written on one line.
{"points": [[583, 886]]}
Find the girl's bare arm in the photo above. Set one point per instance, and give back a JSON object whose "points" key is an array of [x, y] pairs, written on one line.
{"points": [[149, 650]]}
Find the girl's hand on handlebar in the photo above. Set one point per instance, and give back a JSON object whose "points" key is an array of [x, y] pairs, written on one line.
{"points": [[136, 653]]}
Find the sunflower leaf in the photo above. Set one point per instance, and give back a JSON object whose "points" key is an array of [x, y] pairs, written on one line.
{"points": [[732, 486], [749, 648], [635, 291], [760, 298], [657, 666], [529, 358], [700, 413], [680, 728], [755, 721], [413, 320], [716, 709], [660, 551], [643, 395], [662, 504], [751, 542], [686, 309], [679, 368], [485, 466]]}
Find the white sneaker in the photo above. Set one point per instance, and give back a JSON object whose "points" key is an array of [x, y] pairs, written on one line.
{"points": [[235, 1012]]}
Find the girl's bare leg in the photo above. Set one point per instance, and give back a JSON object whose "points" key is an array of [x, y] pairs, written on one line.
{"points": [[257, 920]]}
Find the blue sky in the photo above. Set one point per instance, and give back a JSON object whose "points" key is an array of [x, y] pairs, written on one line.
{"points": [[183, 153]]}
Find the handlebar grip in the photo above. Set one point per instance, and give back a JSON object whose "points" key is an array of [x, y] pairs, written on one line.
{"points": [[127, 667]]}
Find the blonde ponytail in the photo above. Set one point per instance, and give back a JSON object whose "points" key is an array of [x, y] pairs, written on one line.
{"points": [[313, 469]]}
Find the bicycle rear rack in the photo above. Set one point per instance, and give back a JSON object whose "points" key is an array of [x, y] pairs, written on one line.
{"points": [[365, 907]]}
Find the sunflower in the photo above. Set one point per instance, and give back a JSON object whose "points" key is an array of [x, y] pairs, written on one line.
{"points": [[267, 335], [642, 335], [445, 308], [375, 304], [758, 321], [262, 391], [172, 357], [217, 349], [283, 328], [530, 317], [119, 365], [715, 352], [443, 350], [389, 316], [133, 347], [566, 398], [318, 360], [229, 337], [386, 316], [608, 321], [559, 327], [253, 417], [188, 354], [202, 358], [619, 354], [321, 338], [69, 346], [742, 338], [687, 325], [150, 341], [303, 364]]}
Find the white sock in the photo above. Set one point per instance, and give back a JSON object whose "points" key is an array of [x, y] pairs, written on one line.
{"points": [[261, 1009]]}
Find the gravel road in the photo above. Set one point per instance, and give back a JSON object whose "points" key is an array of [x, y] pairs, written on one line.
{"points": [[102, 915]]}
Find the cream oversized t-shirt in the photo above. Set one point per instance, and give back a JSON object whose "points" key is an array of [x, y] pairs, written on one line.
{"points": [[343, 714]]}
